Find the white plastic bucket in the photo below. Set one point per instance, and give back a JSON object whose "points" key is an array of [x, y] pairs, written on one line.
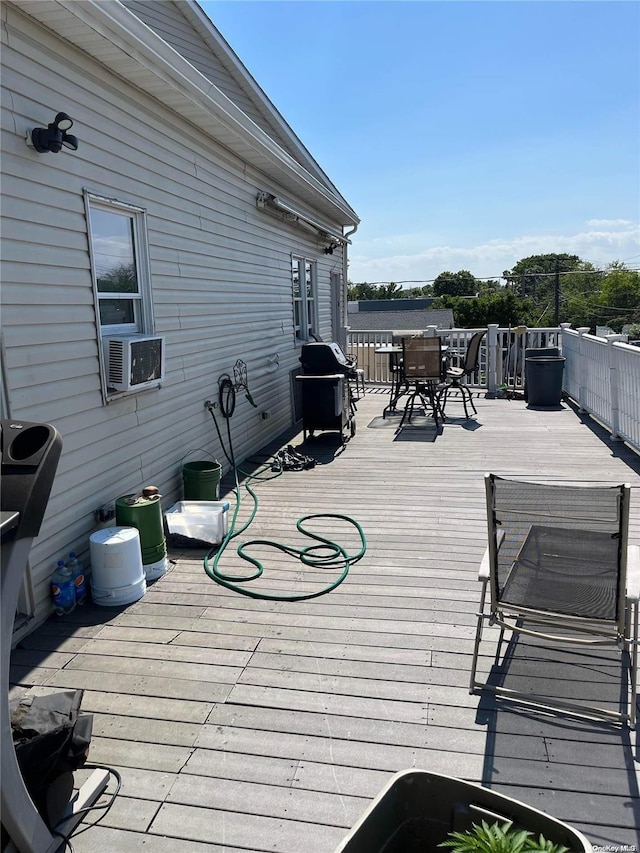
{"points": [[153, 571], [117, 575]]}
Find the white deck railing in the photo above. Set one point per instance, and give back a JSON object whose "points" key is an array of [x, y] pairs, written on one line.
{"points": [[602, 375], [501, 359]]}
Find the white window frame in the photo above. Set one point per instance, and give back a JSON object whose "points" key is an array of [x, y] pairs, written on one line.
{"points": [[142, 299], [305, 305]]}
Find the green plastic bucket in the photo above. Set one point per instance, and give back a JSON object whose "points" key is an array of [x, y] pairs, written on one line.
{"points": [[146, 515], [201, 481]]}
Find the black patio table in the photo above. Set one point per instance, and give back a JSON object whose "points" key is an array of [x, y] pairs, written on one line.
{"points": [[399, 384]]}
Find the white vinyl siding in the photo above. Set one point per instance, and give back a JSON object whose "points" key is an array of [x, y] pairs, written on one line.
{"points": [[220, 272]]}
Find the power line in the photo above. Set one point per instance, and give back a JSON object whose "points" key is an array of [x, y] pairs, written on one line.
{"points": [[518, 276]]}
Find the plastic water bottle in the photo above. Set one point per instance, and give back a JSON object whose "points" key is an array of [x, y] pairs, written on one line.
{"points": [[63, 589], [75, 567]]}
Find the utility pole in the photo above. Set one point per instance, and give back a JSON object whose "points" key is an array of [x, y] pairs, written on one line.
{"points": [[556, 293]]}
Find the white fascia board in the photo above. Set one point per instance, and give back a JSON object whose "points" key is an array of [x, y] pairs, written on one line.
{"points": [[193, 12], [129, 48]]}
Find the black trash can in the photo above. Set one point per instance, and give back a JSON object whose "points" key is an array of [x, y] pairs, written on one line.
{"points": [[543, 380], [536, 352]]}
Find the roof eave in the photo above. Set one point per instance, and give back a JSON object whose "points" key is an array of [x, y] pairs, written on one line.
{"points": [[130, 49], [194, 13]]}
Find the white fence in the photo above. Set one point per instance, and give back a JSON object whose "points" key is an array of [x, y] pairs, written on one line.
{"points": [[601, 374], [501, 359]]}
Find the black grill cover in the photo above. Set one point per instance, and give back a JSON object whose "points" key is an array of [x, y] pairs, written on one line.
{"points": [[51, 739], [321, 358]]}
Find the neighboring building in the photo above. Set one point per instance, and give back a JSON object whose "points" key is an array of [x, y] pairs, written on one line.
{"points": [[401, 314], [190, 214]]}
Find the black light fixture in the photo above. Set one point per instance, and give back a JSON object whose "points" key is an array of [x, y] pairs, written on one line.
{"points": [[54, 136], [330, 248]]}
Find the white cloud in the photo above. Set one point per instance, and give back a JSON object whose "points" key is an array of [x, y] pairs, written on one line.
{"points": [[610, 223], [488, 260]]}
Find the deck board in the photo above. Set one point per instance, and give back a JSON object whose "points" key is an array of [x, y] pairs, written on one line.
{"points": [[243, 724]]}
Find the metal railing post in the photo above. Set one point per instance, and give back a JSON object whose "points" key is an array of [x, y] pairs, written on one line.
{"points": [[492, 359]]}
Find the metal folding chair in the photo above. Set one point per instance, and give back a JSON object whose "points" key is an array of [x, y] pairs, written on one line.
{"points": [[559, 568]]}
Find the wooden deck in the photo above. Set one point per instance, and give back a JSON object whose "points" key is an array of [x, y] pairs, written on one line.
{"points": [[241, 724]]}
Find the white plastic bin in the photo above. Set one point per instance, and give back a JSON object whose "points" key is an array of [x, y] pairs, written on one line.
{"points": [[201, 522]]}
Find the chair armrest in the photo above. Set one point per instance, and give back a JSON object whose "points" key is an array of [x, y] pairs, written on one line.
{"points": [[633, 573], [485, 566]]}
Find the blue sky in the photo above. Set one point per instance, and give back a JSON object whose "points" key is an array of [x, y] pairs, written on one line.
{"points": [[466, 135]]}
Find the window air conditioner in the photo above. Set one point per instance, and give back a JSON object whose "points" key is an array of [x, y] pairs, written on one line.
{"points": [[134, 362]]}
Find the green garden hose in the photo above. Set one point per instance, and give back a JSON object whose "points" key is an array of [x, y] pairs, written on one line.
{"points": [[322, 554]]}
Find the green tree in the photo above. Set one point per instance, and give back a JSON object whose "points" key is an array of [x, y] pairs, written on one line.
{"points": [[561, 287], [485, 288], [389, 291], [418, 292], [609, 297], [361, 291], [534, 276], [619, 300], [461, 283], [504, 308]]}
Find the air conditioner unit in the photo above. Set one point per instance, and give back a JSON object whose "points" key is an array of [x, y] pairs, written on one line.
{"points": [[134, 362]]}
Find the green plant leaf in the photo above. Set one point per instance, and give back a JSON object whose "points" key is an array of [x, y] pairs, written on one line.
{"points": [[500, 838]]}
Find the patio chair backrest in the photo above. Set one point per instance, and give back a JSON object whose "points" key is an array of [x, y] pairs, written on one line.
{"points": [[473, 353], [422, 358], [576, 538]]}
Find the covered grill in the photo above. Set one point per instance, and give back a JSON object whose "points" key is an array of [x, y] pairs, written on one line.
{"points": [[327, 401]]}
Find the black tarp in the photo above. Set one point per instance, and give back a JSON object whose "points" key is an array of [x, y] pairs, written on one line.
{"points": [[51, 738]]}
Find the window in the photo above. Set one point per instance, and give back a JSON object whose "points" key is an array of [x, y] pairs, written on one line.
{"points": [[304, 277], [120, 266]]}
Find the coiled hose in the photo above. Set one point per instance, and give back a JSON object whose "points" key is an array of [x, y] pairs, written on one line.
{"points": [[324, 553]]}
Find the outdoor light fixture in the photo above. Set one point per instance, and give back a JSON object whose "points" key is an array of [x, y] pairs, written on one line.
{"points": [[54, 136], [267, 201]]}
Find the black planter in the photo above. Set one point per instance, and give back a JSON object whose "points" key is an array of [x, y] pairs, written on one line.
{"points": [[417, 810]]}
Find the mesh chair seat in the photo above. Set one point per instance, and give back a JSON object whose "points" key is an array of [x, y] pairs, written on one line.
{"points": [[455, 373], [544, 577]]}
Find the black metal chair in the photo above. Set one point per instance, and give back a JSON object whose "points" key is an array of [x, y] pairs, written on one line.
{"points": [[422, 369], [455, 374]]}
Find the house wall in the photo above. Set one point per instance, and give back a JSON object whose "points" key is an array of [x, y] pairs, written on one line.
{"points": [[221, 276]]}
